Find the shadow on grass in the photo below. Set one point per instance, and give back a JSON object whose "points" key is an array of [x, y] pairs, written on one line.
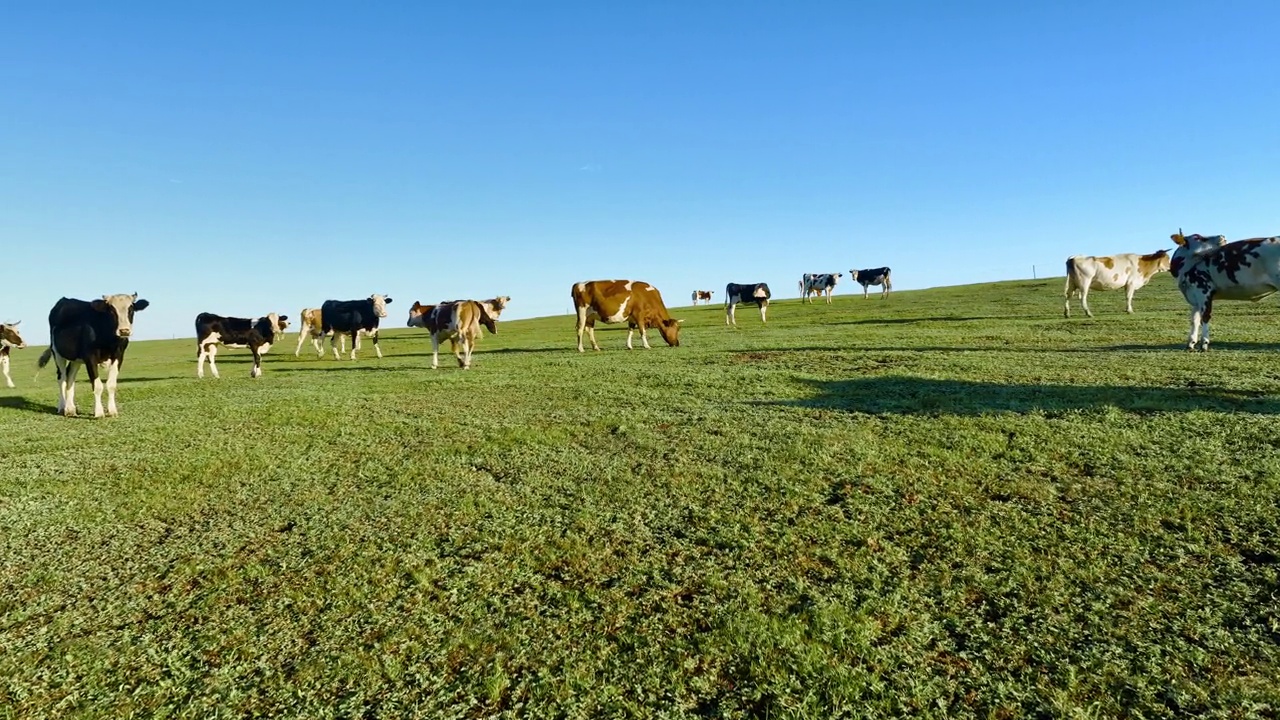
{"points": [[914, 320], [905, 395], [335, 367], [17, 402]]}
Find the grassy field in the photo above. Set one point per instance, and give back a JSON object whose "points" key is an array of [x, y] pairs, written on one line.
{"points": [[954, 503]]}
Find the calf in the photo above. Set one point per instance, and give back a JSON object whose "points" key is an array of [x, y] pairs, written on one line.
{"points": [[754, 293], [1210, 268], [457, 321], [636, 303], [702, 295], [9, 338], [353, 317], [257, 335], [93, 333], [1110, 272], [310, 327], [873, 276], [818, 284]]}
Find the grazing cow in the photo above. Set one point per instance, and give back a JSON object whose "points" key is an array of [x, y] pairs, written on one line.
{"points": [[355, 317], [257, 335], [734, 293], [817, 284], [93, 333], [1126, 270], [873, 276], [702, 295], [1210, 268], [9, 338], [457, 321], [637, 303]]}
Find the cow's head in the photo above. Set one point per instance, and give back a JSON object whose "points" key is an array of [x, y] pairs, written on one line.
{"points": [[418, 314], [1191, 246], [9, 336], [1160, 258], [123, 306], [497, 305], [670, 330], [278, 322], [380, 303]]}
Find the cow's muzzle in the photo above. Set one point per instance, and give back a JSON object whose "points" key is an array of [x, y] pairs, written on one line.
{"points": [[124, 332]]}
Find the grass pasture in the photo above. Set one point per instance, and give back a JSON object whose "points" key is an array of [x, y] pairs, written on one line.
{"points": [[953, 503]]}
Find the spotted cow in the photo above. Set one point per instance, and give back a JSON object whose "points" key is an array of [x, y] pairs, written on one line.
{"points": [[258, 335], [457, 321], [818, 284], [355, 318], [9, 339], [872, 276], [636, 303], [1111, 272], [753, 293], [91, 333], [699, 295], [1209, 268]]}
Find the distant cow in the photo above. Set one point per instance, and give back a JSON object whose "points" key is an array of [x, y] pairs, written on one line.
{"points": [[636, 303], [818, 284], [873, 276], [754, 293], [9, 338], [1210, 268], [1111, 272], [90, 332], [457, 321], [257, 335], [354, 317], [702, 295], [493, 307]]}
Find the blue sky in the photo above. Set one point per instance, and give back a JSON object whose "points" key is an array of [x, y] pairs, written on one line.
{"points": [[242, 158]]}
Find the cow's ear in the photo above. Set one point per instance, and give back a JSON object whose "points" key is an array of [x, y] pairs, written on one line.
{"points": [[1178, 238], [387, 301], [283, 318], [141, 305]]}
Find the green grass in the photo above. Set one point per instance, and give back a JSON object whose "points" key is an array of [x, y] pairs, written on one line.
{"points": [[954, 503]]}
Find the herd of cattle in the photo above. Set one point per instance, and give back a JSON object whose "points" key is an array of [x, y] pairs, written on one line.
{"points": [[96, 333]]}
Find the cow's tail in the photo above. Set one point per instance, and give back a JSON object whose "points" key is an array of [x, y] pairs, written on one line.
{"points": [[1071, 270], [801, 284], [45, 357]]}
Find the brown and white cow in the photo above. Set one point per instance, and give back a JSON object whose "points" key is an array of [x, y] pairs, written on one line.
{"points": [[9, 338], [1210, 268], [1110, 272], [457, 321], [702, 295], [636, 303]]}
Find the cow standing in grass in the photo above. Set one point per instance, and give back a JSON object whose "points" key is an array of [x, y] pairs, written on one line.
{"points": [[1210, 268], [9, 338], [700, 295], [353, 317], [457, 321], [735, 293], [258, 335], [93, 333], [873, 276], [636, 303], [1110, 272], [818, 284]]}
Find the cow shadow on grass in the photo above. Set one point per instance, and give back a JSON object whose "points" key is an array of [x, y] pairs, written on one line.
{"points": [[905, 395], [335, 367], [915, 320], [18, 402]]}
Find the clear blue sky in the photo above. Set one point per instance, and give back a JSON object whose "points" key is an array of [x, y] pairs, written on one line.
{"points": [[247, 157]]}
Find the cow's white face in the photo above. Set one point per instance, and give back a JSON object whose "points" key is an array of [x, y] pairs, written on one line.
{"points": [[418, 314], [278, 322], [124, 306], [380, 303], [9, 336]]}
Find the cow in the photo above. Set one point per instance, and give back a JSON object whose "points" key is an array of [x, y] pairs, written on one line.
{"points": [[355, 317], [702, 295], [457, 321], [309, 326], [493, 307], [818, 284], [257, 335], [1210, 268], [1111, 272], [93, 333], [754, 293], [636, 303], [9, 338], [872, 276]]}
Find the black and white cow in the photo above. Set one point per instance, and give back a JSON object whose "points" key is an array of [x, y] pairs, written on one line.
{"points": [[734, 293], [353, 317], [818, 284], [873, 276], [94, 333], [257, 335], [1209, 268], [9, 338]]}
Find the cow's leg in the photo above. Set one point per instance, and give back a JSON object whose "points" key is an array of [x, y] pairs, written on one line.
{"points": [[61, 366], [581, 325], [302, 337], [457, 344], [95, 378], [729, 319], [333, 344], [1084, 299], [355, 343], [256, 370], [1194, 334], [375, 343], [1128, 297], [212, 352], [113, 375], [764, 307], [4, 366], [631, 331], [644, 336], [201, 353], [467, 344], [1204, 332], [69, 388], [865, 288], [435, 351]]}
